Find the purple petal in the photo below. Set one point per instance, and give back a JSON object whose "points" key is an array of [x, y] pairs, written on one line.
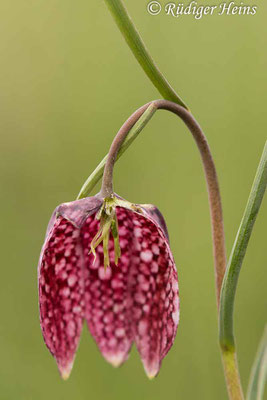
{"points": [[61, 291], [156, 216], [106, 293], [154, 288], [78, 211]]}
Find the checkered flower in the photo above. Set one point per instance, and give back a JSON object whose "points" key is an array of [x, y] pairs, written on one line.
{"points": [[108, 262]]}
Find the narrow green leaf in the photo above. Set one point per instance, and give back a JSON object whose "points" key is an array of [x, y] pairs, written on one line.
{"points": [[97, 174], [136, 44], [258, 375], [238, 253]]}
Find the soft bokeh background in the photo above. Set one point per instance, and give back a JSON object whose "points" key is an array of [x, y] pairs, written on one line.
{"points": [[67, 83]]}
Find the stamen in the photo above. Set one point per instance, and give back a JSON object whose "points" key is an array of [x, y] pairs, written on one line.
{"points": [[104, 228], [116, 239], [105, 250], [108, 222]]}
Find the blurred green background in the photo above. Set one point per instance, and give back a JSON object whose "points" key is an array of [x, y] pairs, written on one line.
{"points": [[67, 83]]}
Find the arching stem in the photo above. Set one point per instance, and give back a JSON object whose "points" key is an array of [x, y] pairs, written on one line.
{"points": [[124, 137], [228, 358], [210, 174], [97, 174]]}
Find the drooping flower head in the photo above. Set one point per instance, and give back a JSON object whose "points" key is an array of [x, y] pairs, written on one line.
{"points": [[108, 262]]}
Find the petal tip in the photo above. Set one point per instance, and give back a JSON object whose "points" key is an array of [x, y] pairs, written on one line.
{"points": [[152, 370], [116, 360], [65, 370], [151, 377]]}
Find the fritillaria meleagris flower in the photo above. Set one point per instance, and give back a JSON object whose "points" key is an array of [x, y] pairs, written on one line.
{"points": [[108, 262]]}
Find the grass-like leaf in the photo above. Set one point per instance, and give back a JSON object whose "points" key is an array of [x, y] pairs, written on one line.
{"points": [[258, 375], [238, 253], [138, 48]]}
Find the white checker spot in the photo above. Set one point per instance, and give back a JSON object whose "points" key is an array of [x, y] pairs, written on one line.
{"points": [[71, 328], [142, 327], [72, 279], [155, 249], [146, 256], [104, 274], [120, 332], [65, 292], [175, 317]]}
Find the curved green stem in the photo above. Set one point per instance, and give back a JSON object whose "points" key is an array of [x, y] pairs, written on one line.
{"points": [[136, 44], [228, 352], [258, 375], [227, 340], [97, 174], [120, 142]]}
